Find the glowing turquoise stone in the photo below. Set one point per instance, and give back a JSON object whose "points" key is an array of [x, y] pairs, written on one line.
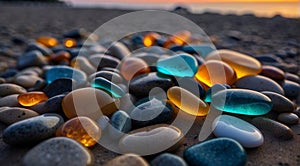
{"points": [[180, 65], [242, 101], [213, 90], [57, 72], [104, 84]]}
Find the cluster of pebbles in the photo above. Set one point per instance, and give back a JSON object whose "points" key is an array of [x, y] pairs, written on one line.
{"points": [[62, 97]]}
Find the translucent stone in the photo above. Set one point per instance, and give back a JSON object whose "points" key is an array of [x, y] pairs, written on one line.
{"points": [[242, 101], [215, 72], [213, 90], [32, 98], [150, 39], [179, 38], [187, 102], [181, 65], [81, 129], [69, 43], [108, 86], [132, 67], [242, 64], [47, 41], [57, 72]]}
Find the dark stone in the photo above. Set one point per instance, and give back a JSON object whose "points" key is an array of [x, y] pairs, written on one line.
{"points": [[59, 86]]}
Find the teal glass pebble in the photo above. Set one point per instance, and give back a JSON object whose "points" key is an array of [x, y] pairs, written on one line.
{"points": [[213, 90], [180, 65], [216, 152], [242, 101], [108, 86], [121, 121], [60, 71], [203, 49]]}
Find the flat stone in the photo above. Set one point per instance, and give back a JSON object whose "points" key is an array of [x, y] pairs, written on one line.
{"points": [[59, 151]]}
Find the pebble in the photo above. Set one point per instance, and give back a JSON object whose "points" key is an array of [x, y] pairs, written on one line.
{"points": [[132, 67], [12, 115], [9, 89], [242, 64], [292, 77], [280, 103], [243, 132], [83, 64], [10, 101], [277, 129], [151, 112], [242, 101], [32, 130], [268, 58], [201, 49], [59, 86], [190, 84], [109, 75], [168, 159], [215, 72], [8, 73], [87, 102], [119, 50], [27, 81], [149, 58], [180, 65], [32, 58], [288, 118], [144, 142], [52, 105], [103, 122], [187, 101], [273, 73], [213, 90], [47, 41], [100, 61], [141, 85], [82, 129], [259, 83], [128, 159], [39, 47], [104, 84], [58, 151], [32, 98], [291, 89], [216, 152], [61, 56], [57, 72], [121, 121]]}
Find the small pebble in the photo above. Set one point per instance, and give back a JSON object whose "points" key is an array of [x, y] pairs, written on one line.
{"points": [[59, 86], [32, 58], [288, 118], [32, 98], [291, 89], [12, 115], [132, 67], [27, 81], [9, 89], [10, 101], [280, 103], [273, 73], [119, 50]]}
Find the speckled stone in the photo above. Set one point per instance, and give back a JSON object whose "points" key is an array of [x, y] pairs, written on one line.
{"points": [[168, 159], [10, 101], [59, 86], [59, 151], [259, 83], [128, 159], [291, 89], [280, 102], [140, 86], [277, 129], [9, 89], [288, 118], [150, 113], [14, 114], [27, 81], [32, 130]]}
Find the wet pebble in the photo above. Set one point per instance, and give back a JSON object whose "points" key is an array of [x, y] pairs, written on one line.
{"points": [[58, 151], [32, 130], [9, 89], [288, 118], [12, 115]]}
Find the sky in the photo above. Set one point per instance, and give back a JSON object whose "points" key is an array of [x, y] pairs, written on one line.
{"points": [[177, 1]]}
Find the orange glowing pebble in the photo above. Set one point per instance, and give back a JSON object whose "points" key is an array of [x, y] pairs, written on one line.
{"points": [[47, 41], [187, 102], [150, 39], [31, 98], [82, 129], [132, 67], [69, 43], [179, 38], [242, 64], [60, 56], [215, 72]]}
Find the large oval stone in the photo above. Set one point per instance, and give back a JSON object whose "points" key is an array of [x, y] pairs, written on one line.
{"points": [[9, 89], [32, 130], [144, 141], [259, 83], [12, 115], [180, 65], [242, 64], [58, 151], [242, 101], [216, 152], [280, 102], [243, 132]]}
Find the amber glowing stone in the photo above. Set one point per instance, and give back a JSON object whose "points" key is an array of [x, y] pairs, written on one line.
{"points": [[69, 43], [32, 98], [60, 56], [47, 41], [179, 38], [150, 39], [132, 67], [215, 72], [187, 102], [81, 129], [242, 64]]}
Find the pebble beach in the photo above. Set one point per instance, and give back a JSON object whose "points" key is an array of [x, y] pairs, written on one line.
{"points": [[36, 95]]}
